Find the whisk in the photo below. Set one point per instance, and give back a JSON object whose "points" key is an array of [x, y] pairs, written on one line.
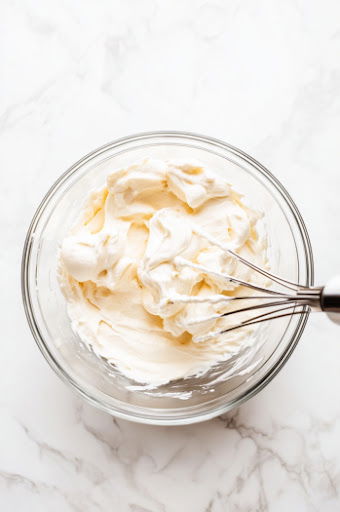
{"points": [[289, 299]]}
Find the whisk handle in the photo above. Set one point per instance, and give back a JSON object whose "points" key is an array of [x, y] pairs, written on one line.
{"points": [[330, 299]]}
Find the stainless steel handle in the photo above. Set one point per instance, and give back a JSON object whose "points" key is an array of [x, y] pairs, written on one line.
{"points": [[330, 299]]}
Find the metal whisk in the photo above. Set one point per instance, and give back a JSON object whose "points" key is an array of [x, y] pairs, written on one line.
{"points": [[292, 299]]}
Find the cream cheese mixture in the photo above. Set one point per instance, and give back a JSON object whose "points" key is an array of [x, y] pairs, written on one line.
{"points": [[132, 269]]}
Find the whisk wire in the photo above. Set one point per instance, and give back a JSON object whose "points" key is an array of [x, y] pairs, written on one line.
{"points": [[253, 321], [248, 308], [273, 277]]}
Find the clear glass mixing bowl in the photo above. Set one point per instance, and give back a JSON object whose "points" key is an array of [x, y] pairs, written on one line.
{"points": [[184, 401]]}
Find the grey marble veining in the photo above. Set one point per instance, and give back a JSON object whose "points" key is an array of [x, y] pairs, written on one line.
{"points": [[264, 76]]}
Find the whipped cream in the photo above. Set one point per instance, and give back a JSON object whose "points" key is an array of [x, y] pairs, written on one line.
{"points": [[133, 269]]}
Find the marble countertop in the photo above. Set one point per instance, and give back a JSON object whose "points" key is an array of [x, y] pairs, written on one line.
{"points": [[264, 76]]}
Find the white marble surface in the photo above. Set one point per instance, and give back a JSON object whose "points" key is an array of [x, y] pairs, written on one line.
{"points": [[263, 75]]}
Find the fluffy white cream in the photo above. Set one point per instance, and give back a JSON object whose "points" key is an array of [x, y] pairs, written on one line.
{"points": [[132, 270]]}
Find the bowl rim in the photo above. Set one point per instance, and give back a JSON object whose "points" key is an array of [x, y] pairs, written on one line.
{"points": [[68, 379]]}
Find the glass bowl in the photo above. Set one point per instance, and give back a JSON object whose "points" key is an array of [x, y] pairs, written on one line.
{"points": [[187, 400]]}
